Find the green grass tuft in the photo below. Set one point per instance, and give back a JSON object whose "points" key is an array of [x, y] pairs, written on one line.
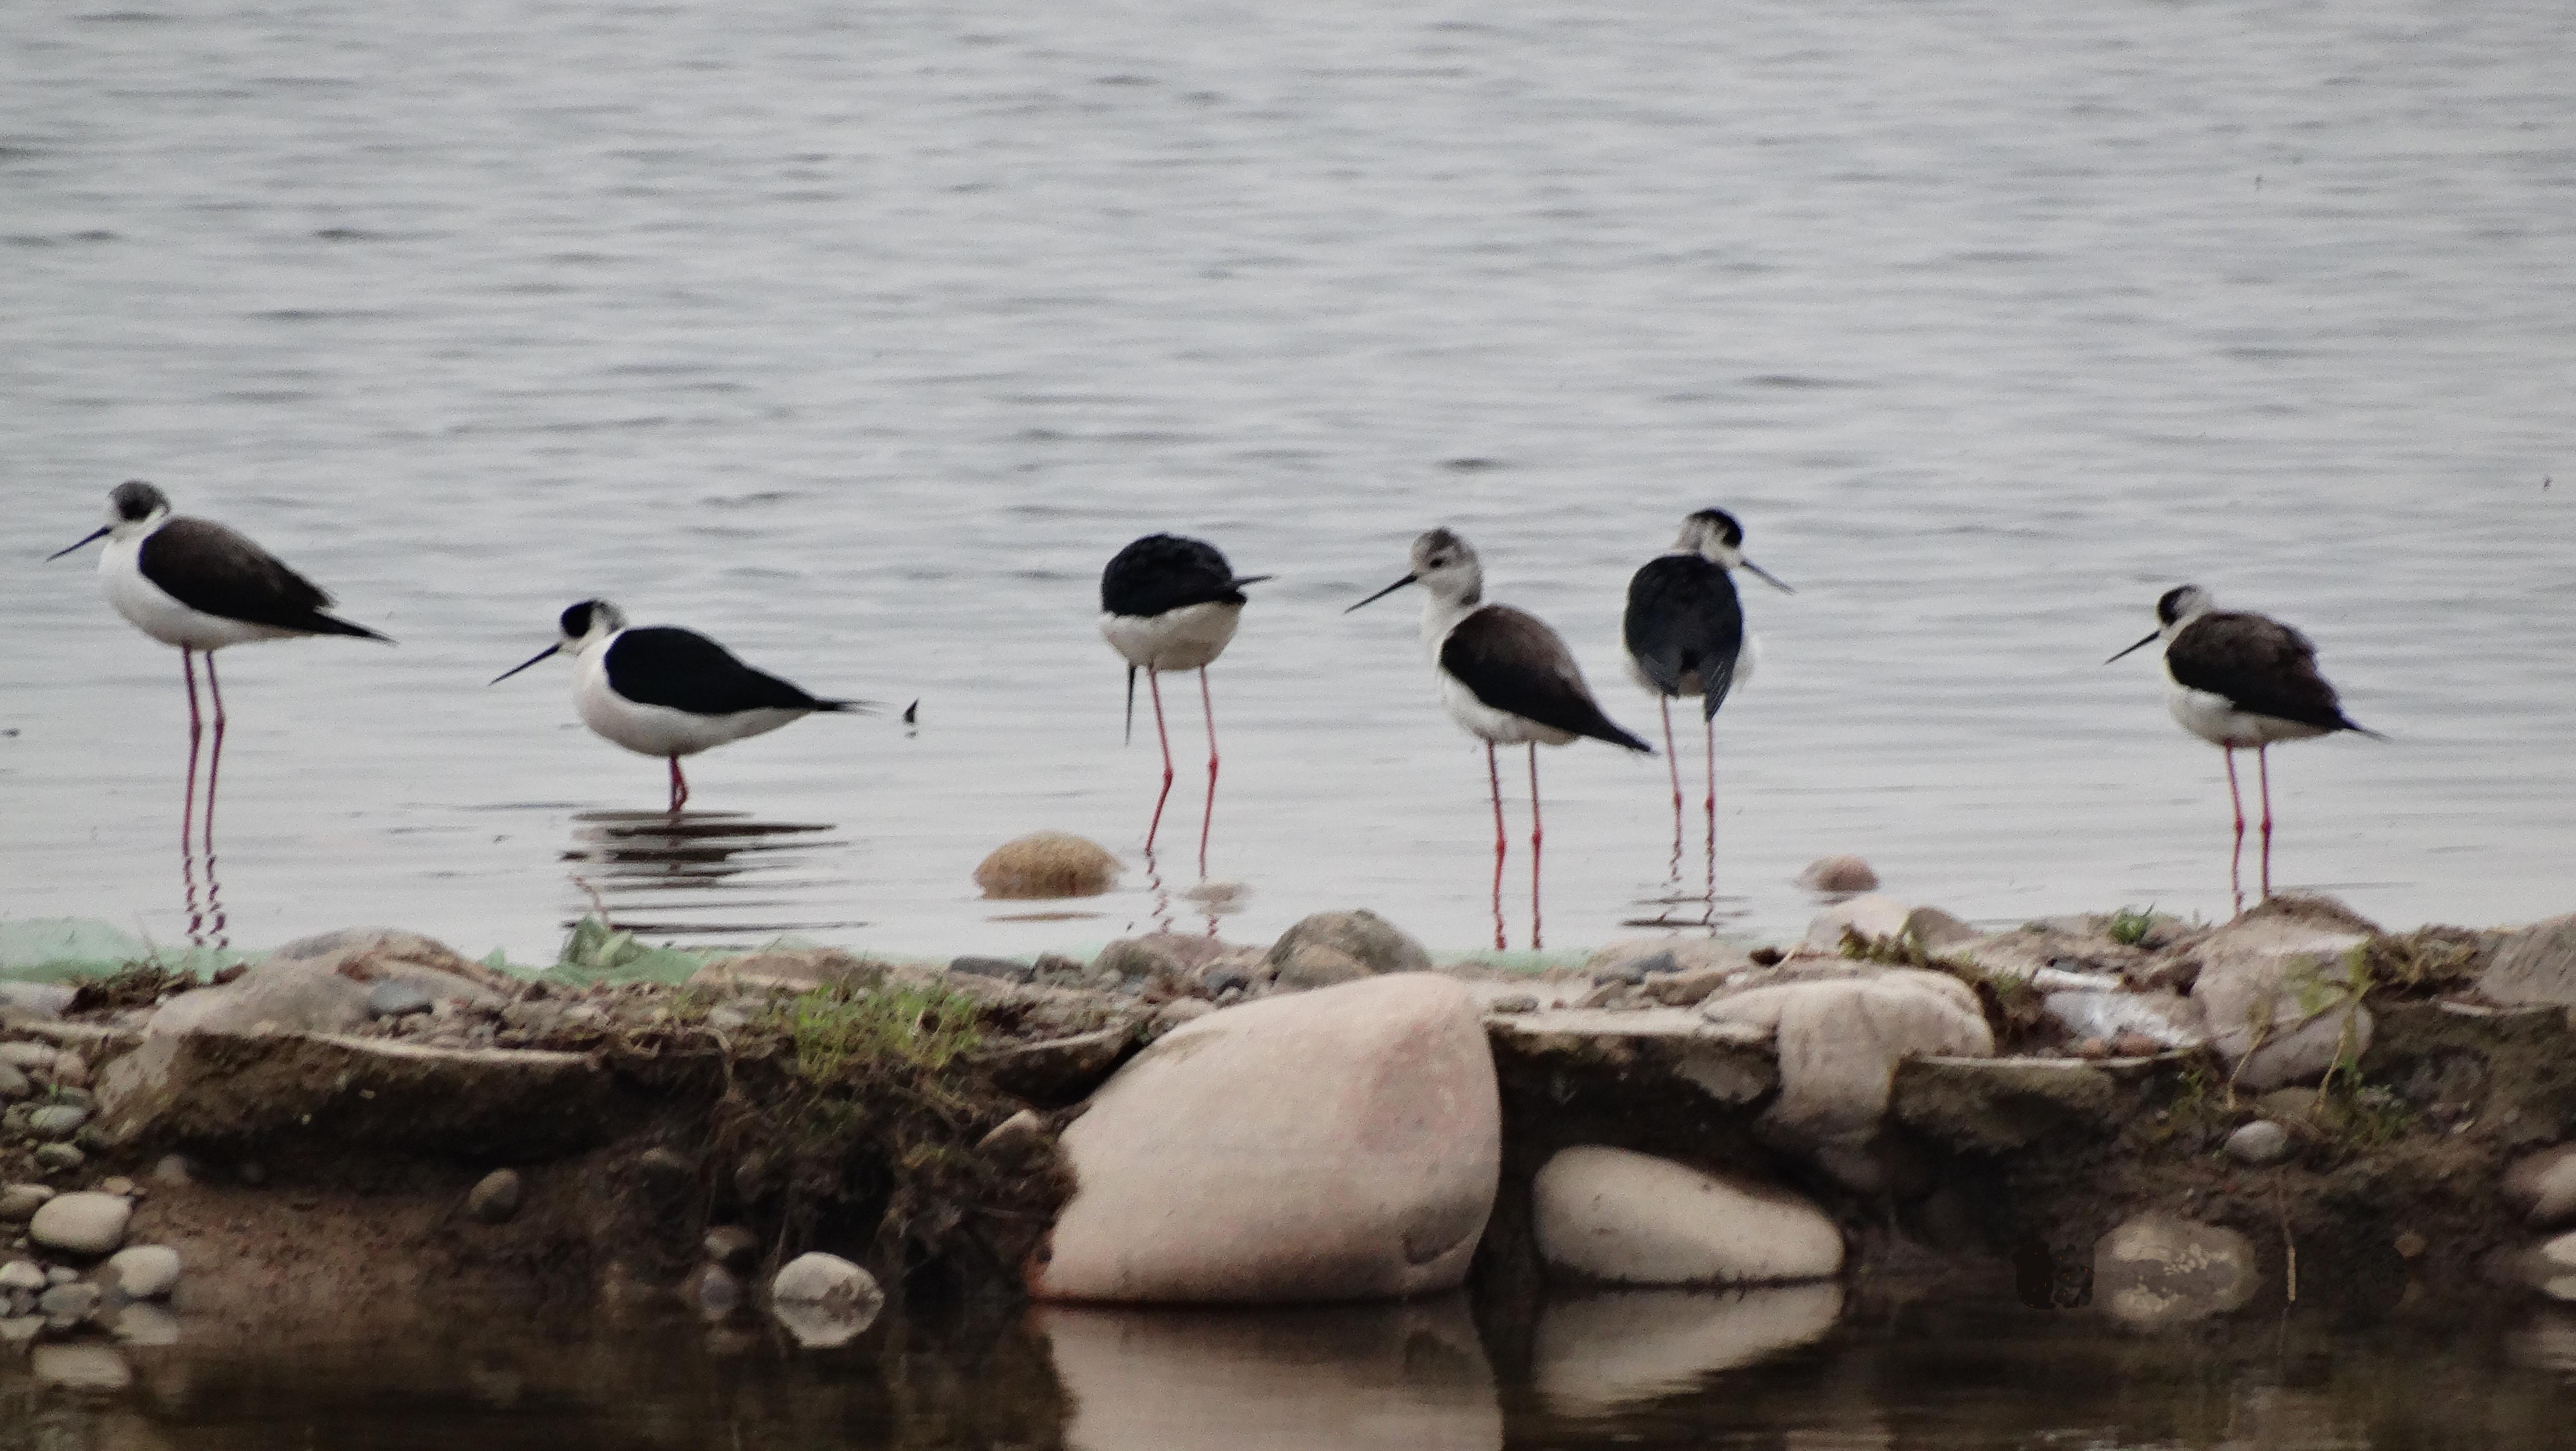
{"points": [[2129, 926]]}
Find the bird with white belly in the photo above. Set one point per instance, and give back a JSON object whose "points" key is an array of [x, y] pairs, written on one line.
{"points": [[1168, 602]]}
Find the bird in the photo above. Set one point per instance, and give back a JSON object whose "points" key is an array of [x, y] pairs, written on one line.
{"points": [[1172, 603], [1685, 636], [1506, 678], [659, 690], [2239, 680], [200, 586]]}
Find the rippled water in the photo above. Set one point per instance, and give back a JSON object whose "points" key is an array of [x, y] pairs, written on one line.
{"points": [[1768, 1370], [860, 337]]}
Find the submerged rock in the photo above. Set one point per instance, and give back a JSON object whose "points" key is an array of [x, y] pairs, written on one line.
{"points": [[1047, 864], [1338, 1144], [81, 1224], [824, 1300], [1628, 1218], [2157, 1270], [1600, 1352]]}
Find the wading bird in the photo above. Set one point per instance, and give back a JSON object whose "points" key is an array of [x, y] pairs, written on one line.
{"points": [[1685, 636], [1506, 678], [659, 690], [1170, 603], [2241, 680]]}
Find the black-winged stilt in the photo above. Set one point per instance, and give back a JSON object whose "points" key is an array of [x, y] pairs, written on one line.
{"points": [[200, 586], [659, 690], [1171, 603], [1685, 636], [2240, 680], [1506, 678]]}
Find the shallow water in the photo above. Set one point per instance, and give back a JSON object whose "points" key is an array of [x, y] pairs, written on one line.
{"points": [[860, 338], [1770, 1369]]}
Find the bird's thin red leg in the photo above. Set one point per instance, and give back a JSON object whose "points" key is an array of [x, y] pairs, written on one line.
{"points": [[1675, 763], [215, 924], [2263, 774], [679, 787], [1154, 683], [1536, 835], [2235, 853], [188, 810], [1207, 814], [1712, 817], [1494, 778]]}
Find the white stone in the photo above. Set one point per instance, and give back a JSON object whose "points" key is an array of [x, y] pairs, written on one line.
{"points": [[2543, 1186], [2157, 1270], [1598, 1353], [19, 1201], [1403, 1377], [1632, 1219], [1841, 1038], [81, 1369], [1338, 1144], [1871, 915], [143, 1271], [21, 1275], [2276, 992], [320, 984], [81, 1224], [824, 1300]]}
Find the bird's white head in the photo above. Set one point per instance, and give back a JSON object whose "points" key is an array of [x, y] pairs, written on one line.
{"points": [[133, 507], [586, 626], [1714, 535], [1446, 568]]}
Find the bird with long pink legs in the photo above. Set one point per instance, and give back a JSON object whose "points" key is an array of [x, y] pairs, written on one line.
{"points": [[1684, 631], [200, 586], [1507, 679], [1172, 603], [2242, 681]]}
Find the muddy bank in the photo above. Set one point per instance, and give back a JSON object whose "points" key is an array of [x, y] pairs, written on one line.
{"points": [[2095, 1112]]}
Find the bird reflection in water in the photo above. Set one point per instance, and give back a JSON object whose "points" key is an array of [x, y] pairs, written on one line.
{"points": [[1206, 901], [705, 877]]}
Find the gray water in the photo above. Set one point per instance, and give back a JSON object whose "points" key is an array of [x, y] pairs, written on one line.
{"points": [[1696, 1370], [860, 336]]}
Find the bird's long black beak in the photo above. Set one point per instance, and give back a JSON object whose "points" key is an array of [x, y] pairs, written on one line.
{"points": [[92, 537], [524, 664], [1130, 737], [1253, 579], [1382, 594], [1764, 575], [2152, 637]]}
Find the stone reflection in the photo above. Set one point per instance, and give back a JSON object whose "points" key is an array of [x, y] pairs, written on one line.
{"points": [[1405, 1377], [1600, 1352], [704, 878]]}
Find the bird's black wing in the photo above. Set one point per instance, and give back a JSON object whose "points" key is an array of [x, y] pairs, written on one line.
{"points": [[684, 670], [215, 571], [1164, 572], [1512, 661], [2260, 664], [1684, 617]]}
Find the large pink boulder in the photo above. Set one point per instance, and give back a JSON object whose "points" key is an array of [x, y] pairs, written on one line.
{"points": [[1340, 1144]]}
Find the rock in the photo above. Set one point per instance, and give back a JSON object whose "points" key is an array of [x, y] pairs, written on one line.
{"points": [[1338, 1144], [1059, 1070], [2550, 1267], [1178, 1012], [120, 1186], [731, 1246], [1017, 1139], [17, 1332], [494, 1199], [1935, 930], [1168, 955], [38, 999], [1686, 988], [2536, 965], [1359, 937], [80, 1369], [1841, 1038], [1871, 916], [323, 985], [2276, 991], [145, 1324], [29, 1057], [2258, 1143], [666, 1172], [1627, 1218], [824, 1300], [64, 1306], [2000, 1105], [2542, 1186], [19, 1202], [61, 1275], [13, 1083], [171, 1171], [712, 1291], [397, 999], [70, 1070], [1047, 864], [143, 1271], [1001, 967], [2157, 1020], [57, 1121], [1599, 1353], [1636, 959], [1616, 1065], [1838, 874], [2157, 1270], [81, 1224], [22, 1275], [60, 1158]]}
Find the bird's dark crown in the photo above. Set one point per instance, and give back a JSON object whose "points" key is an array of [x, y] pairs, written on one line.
{"points": [[135, 500], [1724, 523], [576, 620], [2171, 606]]}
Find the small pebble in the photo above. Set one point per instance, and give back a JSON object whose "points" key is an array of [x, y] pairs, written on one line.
{"points": [[495, 1198], [395, 998], [57, 1120], [61, 1158], [120, 1186], [13, 1083], [71, 1070], [18, 1201], [1516, 1003], [2260, 1142], [732, 1246], [143, 1271], [67, 1305], [172, 1172], [20, 1275], [1015, 1139], [1838, 874], [61, 1275]]}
